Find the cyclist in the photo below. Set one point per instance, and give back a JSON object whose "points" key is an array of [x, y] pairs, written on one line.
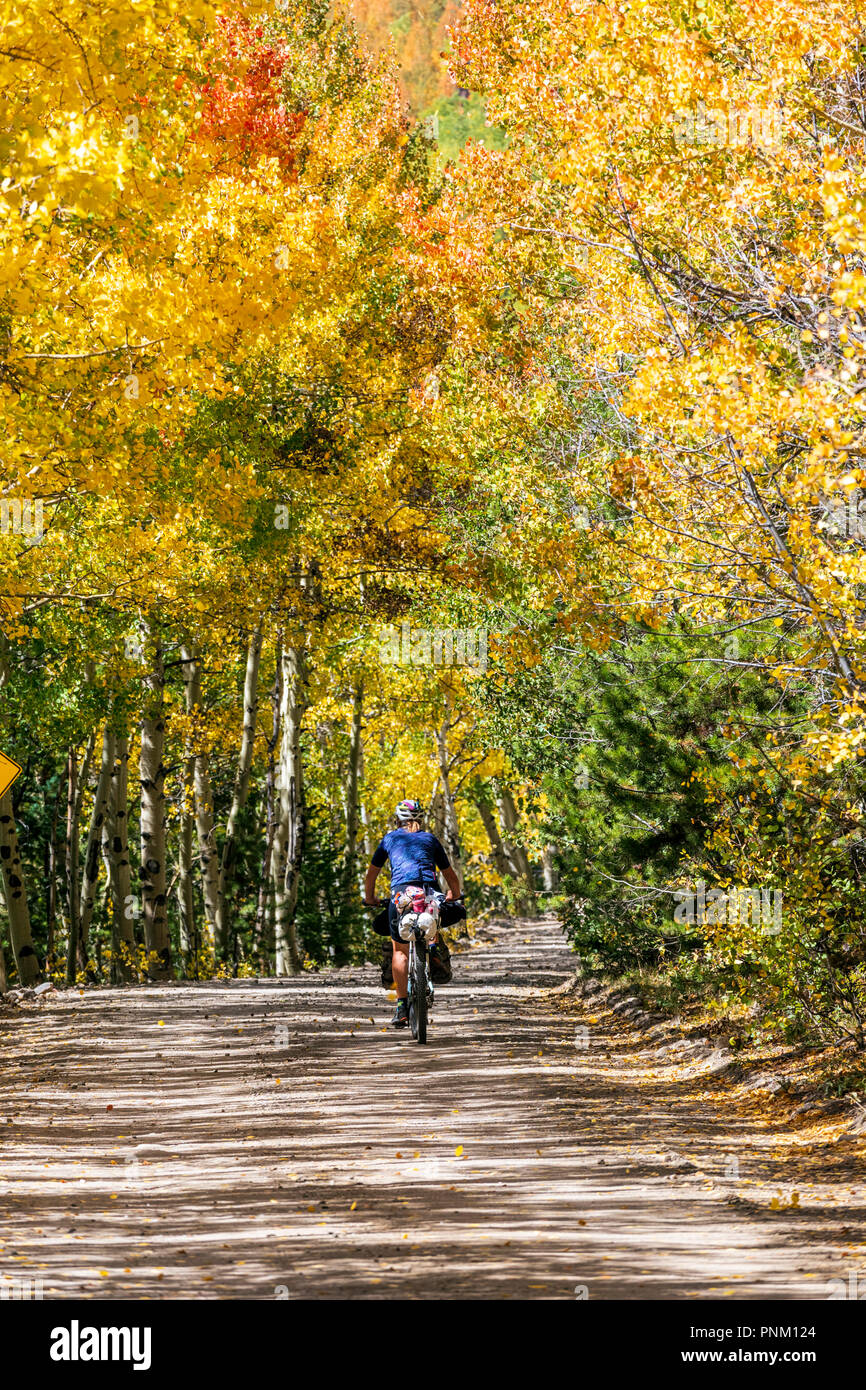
{"points": [[415, 857]]}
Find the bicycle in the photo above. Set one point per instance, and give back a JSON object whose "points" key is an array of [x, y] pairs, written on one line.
{"points": [[420, 997], [420, 986]]}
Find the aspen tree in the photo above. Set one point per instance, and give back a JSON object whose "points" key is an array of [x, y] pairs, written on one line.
{"points": [[153, 846], [241, 788]]}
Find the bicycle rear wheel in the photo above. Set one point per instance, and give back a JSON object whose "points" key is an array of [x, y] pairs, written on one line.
{"points": [[418, 992]]}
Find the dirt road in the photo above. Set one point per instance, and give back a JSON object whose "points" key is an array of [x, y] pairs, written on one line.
{"points": [[276, 1139]]}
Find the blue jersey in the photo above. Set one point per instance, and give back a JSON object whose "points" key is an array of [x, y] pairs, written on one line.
{"points": [[415, 856]]}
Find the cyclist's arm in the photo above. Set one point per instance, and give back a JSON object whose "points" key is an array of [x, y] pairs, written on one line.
{"points": [[370, 883], [453, 882]]}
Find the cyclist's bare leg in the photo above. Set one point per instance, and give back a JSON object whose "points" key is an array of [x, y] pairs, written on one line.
{"points": [[400, 967]]}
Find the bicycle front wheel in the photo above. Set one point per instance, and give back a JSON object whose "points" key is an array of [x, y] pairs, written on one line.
{"points": [[418, 992]]}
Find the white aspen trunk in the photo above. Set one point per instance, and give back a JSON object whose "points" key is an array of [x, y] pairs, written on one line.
{"points": [[185, 897], [264, 907], [436, 814], [51, 886], [61, 918], [15, 894], [71, 854], [258, 942], [505, 867], [449, 811], [122, 904], [152, 776], [291, 821], [204, 812], [350, 851], [518, 855], [207, 850], [366, 827], [509, 818], [75, 785], [110, 891], [189, 938], [241, 788], [550, 877], [271, 931], [2, 969], [94, 835]]}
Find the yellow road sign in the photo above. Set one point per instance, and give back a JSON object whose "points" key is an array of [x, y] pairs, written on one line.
{"points": [[8, 772]]}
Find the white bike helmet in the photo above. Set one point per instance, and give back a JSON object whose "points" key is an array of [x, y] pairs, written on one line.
{"points": [[408, 810]]}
